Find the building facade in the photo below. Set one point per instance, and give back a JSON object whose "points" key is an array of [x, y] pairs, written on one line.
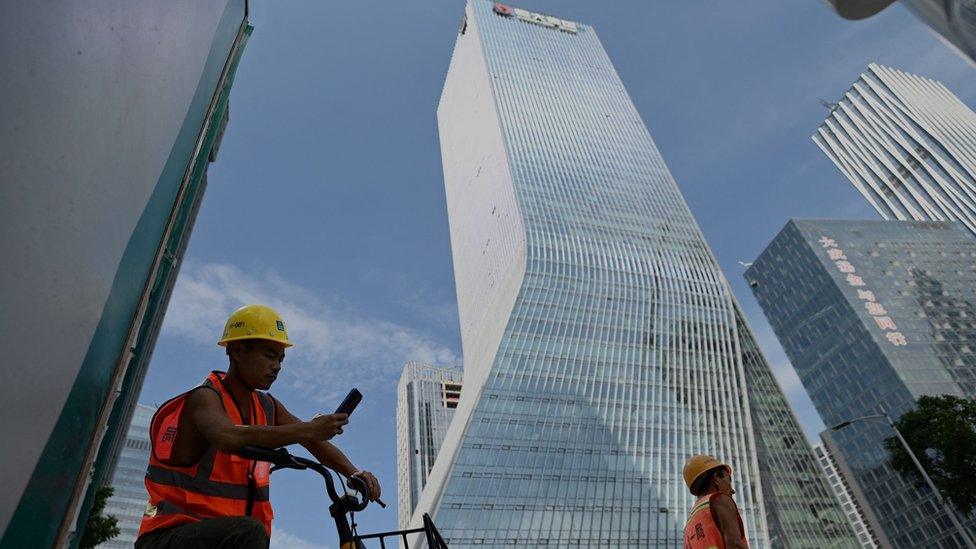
{"points": [[953, 20], [907, 144], [426, 399], [602, 345], [128, 502], [853, 509], [873, 315]]}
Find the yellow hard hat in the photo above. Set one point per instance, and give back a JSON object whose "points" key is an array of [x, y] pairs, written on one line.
{"points": [[255, 322], [696, 466]]}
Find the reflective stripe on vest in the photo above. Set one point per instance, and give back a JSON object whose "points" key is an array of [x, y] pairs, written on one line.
{"points": [[701, 531], [218, 485]]}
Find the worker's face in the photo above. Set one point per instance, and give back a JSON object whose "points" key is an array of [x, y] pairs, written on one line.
{"points": [[723, 481], [259, 361]]}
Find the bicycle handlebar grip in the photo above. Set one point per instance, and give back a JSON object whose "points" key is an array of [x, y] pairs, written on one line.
{"points": [[361, 488]]}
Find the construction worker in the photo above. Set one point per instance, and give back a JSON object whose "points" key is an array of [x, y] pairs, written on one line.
{"points": [[200, 493], [715, 522]]}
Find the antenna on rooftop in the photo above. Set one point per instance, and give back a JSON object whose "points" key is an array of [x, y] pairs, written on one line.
{"points": [[828, 105]]}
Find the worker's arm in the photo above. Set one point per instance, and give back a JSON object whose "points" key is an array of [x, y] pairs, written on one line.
{"points": [[210, 419], [727, 519], [327, 453]]}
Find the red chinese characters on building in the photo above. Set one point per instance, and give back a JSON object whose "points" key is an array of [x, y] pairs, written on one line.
{"points": [[535, 18], [867, 297], [502, 9]]}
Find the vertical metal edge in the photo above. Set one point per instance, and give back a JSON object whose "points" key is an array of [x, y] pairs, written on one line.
{"points": [[89, 480]]}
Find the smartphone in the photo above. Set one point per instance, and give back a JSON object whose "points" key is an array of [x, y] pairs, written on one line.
{"points": [[350, 402]]}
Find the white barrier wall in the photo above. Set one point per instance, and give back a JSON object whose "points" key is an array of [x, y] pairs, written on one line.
{"points": [[102, 104]]}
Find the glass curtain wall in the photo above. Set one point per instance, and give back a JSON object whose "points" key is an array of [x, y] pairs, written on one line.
{"points": [[621, 353]]}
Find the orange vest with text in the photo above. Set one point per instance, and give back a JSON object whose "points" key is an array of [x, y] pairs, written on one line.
{"points": [[220, 484], [701, 530]]}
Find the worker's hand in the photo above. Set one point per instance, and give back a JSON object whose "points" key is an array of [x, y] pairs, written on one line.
{"points": [[371, 482], [326, 427]]}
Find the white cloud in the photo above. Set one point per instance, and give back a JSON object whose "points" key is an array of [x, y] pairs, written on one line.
{"points": [[420, 300], [283, 540], [333, 348]]}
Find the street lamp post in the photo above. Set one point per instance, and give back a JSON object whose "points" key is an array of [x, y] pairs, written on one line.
{"points": [[918, 465]]}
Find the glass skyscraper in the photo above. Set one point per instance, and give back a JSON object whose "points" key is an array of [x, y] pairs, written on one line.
{"points": [[602, 345], [128, 503], [907, 144], [875, 314], [426, 399]]}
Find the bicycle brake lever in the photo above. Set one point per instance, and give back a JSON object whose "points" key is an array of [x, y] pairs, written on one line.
{"points": [[297, 467]]}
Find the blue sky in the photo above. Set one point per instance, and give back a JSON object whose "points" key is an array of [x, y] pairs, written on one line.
{"points": [[327, 199]]}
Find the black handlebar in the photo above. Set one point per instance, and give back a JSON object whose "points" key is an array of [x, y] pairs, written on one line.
{"points": [[281, 459], [275, 456], [341, 505]]}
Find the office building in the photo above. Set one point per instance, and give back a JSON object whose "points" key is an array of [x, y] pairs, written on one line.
{"points": [[907, 144], [853, 509], [128, 502], [953, 20], [602, 345], [873, 315], [426, 399]]}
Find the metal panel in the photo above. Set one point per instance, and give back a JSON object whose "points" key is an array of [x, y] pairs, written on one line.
{"points": [[106, 101]]}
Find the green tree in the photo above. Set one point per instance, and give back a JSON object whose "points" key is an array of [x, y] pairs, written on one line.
{"points": [[99, 528], [942, 434]]}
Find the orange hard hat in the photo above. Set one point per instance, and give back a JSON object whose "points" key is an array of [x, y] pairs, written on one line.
{"points": [[698, 465]]}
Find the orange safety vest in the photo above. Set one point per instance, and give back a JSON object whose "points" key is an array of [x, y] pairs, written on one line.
{"points": [[220, 484], [701, 531]]}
